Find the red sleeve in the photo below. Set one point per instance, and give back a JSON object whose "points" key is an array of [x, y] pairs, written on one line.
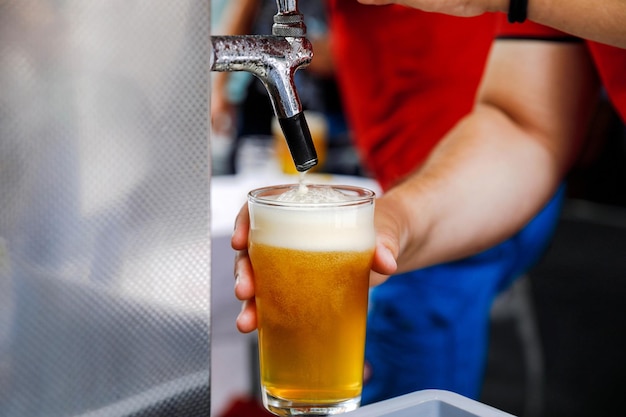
{"points": [[610, 61], [528, 30]]}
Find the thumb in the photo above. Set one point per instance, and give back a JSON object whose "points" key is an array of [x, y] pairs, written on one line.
{"points": [[384, 263]]}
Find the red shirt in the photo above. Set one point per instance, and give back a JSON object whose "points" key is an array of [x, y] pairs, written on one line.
{"points": [[406, 78], [609, 61]]}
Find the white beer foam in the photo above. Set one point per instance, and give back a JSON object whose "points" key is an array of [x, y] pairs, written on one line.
{"points": [[345, 228], [304, 194]]}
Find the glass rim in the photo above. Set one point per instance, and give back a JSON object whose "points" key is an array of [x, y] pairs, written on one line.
{"points": [[266, 196]]}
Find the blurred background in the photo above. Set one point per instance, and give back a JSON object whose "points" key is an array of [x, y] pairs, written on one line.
{"points": [[558, 335], [116, 286]]}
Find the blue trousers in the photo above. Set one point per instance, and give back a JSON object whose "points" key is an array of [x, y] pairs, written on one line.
{"points": [[429, 328]]}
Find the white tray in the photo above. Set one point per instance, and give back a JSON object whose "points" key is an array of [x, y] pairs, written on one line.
{"points": [[428, 403]]}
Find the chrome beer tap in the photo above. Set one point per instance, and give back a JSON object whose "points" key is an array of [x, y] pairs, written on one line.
{"points": [[274, 59]]}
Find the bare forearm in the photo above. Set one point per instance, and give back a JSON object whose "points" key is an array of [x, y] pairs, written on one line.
{"points": [[601, 21], [497, 167], [485, 181]]}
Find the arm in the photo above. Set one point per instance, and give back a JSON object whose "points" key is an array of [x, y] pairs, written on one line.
{"points": [[499, 165], [322, 64], [598, 21], [488, 176]]}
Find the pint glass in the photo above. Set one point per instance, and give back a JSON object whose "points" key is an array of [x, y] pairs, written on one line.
{"points": [[311, 258]]}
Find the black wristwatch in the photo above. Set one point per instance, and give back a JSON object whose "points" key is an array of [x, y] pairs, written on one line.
{"points": [[517, 11]]}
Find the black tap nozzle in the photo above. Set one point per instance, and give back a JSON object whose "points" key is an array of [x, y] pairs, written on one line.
{"points": [[299, 141]]}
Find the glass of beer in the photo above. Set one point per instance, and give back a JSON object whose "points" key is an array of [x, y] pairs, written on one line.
{"points": [[311, 249]]}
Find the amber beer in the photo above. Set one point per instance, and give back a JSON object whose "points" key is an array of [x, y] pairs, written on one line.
{"points": [[311, 263]]}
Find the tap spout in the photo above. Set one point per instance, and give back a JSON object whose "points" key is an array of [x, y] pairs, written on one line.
{"points": [[274, 60]]}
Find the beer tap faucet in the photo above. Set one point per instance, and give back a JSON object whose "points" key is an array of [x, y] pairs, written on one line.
{"points": [[274, 59]]}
